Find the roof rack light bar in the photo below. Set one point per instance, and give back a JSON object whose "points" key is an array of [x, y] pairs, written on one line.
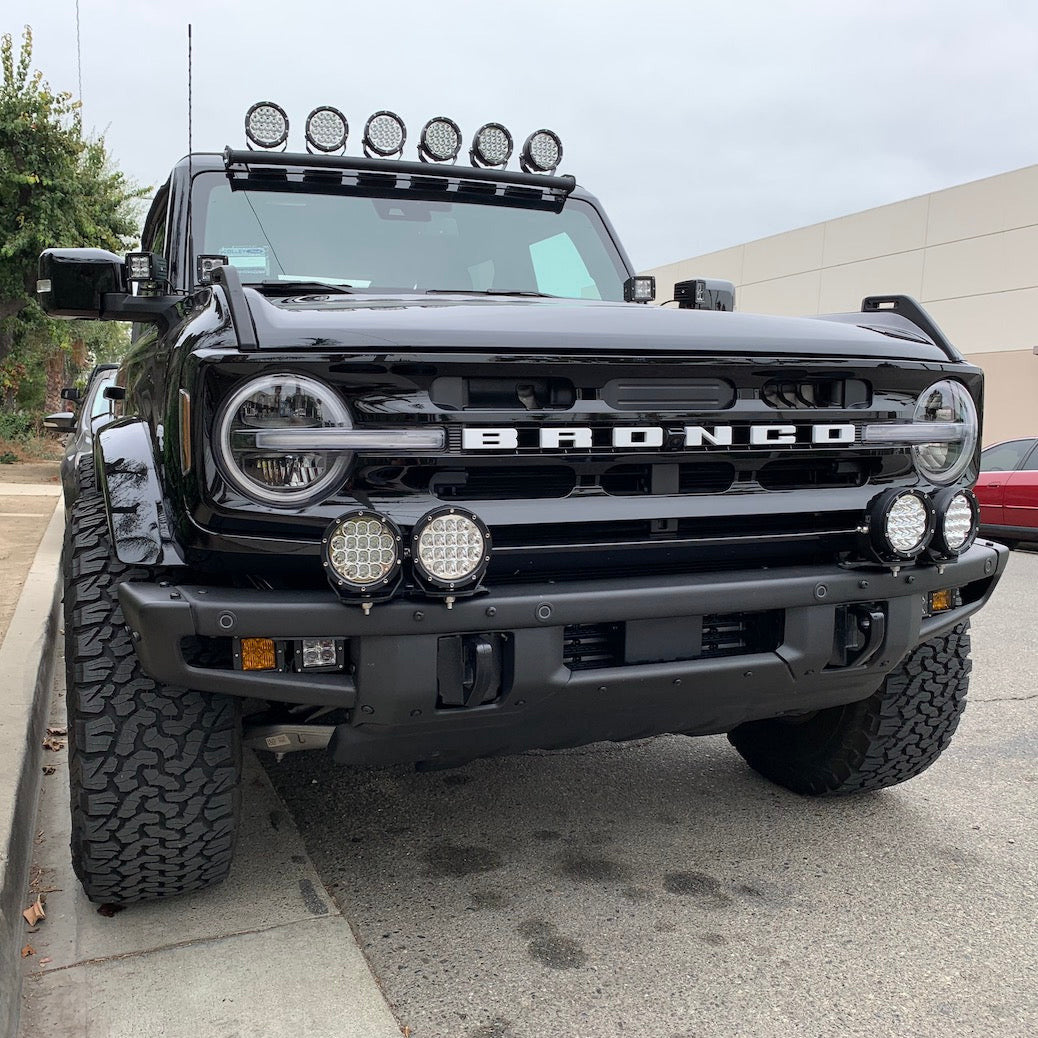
{"points": [[560, 185]]}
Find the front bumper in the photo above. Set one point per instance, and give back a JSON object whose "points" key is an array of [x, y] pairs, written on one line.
{"points": [[391, 686]]}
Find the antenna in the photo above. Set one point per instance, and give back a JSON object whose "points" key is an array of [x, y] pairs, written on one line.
{"points": [[190, 176]]}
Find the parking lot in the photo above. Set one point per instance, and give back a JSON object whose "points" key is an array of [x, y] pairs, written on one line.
{"points": [[661, 888]]}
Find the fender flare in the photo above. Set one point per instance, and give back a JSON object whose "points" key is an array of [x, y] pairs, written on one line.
{"points": [[128, 478]]}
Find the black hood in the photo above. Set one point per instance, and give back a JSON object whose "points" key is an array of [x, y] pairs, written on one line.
{"points": [[492, 324]]}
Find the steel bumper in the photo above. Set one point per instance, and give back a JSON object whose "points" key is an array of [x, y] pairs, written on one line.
{"points": [[391, 686]]}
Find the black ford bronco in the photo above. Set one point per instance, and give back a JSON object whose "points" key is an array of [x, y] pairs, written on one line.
{"points": [[403, 460]]}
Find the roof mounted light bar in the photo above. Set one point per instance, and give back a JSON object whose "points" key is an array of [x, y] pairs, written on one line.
{"points": [[348, 163]]}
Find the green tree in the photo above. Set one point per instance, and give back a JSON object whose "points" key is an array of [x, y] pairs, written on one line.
{"points": [[57, 188]]}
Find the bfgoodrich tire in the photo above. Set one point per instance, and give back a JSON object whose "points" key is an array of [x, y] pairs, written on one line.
{"points": [[154, 771], [892, 736]]}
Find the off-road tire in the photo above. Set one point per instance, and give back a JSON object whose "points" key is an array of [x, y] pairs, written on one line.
{"points": [[892, 736], [154, 771]]}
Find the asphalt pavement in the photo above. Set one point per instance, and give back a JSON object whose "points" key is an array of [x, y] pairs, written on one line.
{"points": [[662, 889]]}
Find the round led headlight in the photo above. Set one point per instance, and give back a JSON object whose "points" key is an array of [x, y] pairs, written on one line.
{"points": [[950, 408], [440, 140], [958, 519], [541, 153], [326, 129], [384, 135], [450, 548], [290, 473], [491, 146], [901, 523], [361, 552], [266, 125]]}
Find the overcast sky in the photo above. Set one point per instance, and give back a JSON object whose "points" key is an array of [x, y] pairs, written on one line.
{"points": [[698, 125]]}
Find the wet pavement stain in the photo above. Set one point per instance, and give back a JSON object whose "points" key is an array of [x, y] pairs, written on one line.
{"points": [[488, 901], [698, 885], [550, 948], [314, 904], [591, 870], [456, 780], [451, 859], [546, 835]]}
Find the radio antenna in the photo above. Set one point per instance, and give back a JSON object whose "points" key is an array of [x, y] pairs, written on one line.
{"points": [[190, 179]]}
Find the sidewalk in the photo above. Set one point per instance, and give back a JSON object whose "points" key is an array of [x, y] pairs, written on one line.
{"points": [[264, 954]]}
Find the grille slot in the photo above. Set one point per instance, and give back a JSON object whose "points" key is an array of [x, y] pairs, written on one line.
{"points": [[503, 482], [806, 473], [805, 393], [593, 646], [662, 394]]}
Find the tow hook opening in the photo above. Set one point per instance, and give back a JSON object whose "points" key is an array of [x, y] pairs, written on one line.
{"points": [[858, 634], [469, 670]]}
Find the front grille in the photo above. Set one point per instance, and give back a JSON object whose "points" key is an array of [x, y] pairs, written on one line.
{"points": [[599, 646], [805, 393]]}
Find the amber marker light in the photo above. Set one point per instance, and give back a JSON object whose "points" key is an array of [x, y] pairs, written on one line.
{"points": [[258, 654]]}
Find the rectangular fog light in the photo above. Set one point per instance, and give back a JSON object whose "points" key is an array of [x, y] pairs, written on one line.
{"points": [[257, 654], [942, 601], [320, 654]]}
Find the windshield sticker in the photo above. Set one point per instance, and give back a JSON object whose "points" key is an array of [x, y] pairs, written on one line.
{"points": [[249, 259]]}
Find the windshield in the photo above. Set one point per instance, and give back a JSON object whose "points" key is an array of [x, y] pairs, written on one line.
{"points": [[409, 244]]}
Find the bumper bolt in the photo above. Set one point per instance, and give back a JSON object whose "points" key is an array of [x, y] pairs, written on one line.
{"points": [[419, 615], [491, 611], [677, 681], [416, 713], [601, 688], [988, 566], [910, 579], [365, 709], [863, 584]]}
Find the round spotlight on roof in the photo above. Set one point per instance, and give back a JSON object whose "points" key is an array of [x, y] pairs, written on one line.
{"points": [[266, 125], [440, 141], [384, 135], [492, 146], [326, 129], [541, 153]]}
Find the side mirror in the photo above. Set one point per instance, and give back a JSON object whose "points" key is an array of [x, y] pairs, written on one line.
{"points": [[705, 294], [63, 421], [91, 284], [74, 282], [71, 394]]}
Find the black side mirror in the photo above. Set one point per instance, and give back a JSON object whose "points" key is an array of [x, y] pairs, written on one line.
{"points": [[71, 394], [63, 421], [705, 294], [91, 284], [73, 282]]}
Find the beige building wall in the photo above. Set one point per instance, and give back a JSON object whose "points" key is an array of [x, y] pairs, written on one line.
{"points": [[969, 254]]}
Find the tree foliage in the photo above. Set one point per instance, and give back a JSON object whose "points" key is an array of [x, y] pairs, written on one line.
{"points": [[58, 187]]}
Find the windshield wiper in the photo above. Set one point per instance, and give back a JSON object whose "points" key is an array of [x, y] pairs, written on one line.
{"points": [[291, 288], [488, 292]]}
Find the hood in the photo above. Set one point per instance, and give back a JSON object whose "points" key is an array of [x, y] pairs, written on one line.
{"points": [[495, 324]]}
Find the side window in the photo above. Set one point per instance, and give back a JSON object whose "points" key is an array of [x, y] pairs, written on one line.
{"points": [[1005, 457], [559, 269], [153, 237], [1031, 461]]}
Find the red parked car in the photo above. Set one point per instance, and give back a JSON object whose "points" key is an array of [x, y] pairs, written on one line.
{"points": [[1008, 491]]}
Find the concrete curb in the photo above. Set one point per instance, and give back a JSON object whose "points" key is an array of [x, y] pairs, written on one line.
{"points": [[26, 672]]}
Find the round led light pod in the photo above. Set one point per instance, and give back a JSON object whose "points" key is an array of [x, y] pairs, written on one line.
{"points": [[491, 146], [266, 125], [958, 520], [450, 548], [440, 140], [901, 524], [541, 153], [361, 552], [326, 130], [384, 135]]}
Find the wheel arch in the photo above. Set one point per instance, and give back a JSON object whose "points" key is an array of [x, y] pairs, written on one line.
{"points": [[127, 476]]}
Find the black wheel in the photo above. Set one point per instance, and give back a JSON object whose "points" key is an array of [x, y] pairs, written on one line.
{"points": [[154, 771], [895, 734]]}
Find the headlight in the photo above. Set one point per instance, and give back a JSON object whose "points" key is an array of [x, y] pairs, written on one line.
{"points": [[283, 401], [361, 553], [901, 524], [946, 404], [450, 548], [958, 518]]}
